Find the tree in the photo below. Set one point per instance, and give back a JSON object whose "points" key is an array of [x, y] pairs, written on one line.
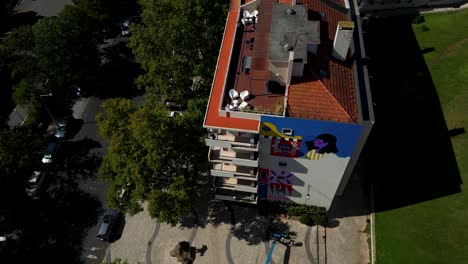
{"points": [[151, 156], [65, 47], [6, 10], [177, 41], [52, 55], [20, 152]]}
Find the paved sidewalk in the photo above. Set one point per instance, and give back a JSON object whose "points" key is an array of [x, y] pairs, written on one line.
{"points": [[238, 235], [145, 241], [79, 107], [43, 7]]}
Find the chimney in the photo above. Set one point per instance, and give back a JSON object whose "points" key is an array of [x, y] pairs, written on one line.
{"points": [[343, 37]]}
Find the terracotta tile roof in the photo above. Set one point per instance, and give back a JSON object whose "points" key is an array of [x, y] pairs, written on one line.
{"points": [[312, 100], [212, 118], [340, 80]]}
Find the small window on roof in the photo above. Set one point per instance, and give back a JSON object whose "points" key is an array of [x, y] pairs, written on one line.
{"points": [[283, 163], [287, 131]]}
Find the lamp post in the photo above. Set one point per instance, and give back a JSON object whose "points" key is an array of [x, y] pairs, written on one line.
{"points": [[45, 105], [308, 193]]}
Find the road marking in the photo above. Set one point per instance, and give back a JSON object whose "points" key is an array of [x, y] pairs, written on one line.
{"points": [[150, 243]]}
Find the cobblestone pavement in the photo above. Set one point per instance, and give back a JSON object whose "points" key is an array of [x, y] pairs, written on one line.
{"points": [[145, 241]]}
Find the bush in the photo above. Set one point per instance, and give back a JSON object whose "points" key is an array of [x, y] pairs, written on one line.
{"points": [[418, 19], [309, 215]]}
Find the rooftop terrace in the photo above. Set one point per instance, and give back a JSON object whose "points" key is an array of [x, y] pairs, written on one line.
{"points": [[325, 92]]}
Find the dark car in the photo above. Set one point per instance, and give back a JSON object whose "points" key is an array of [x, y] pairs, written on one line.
{"points": [[108, 226], [35, 183], [50, 153], [67, 127], [62, 127]]}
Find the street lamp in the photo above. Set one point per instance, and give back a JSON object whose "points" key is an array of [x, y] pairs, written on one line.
{"points": [[45, 105]]}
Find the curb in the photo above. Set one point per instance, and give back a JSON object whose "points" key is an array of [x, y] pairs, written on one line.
{"points": [[372, 222]]}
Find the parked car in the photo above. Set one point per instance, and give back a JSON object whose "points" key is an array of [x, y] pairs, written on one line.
{"points": [[62, 127], [172, 105], [125, 28], [35, 183], [67, 127], [109, 223], [174, 113], [50, 153]]}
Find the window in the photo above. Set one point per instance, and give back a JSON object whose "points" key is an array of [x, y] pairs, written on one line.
{"points": [[225, 149], [284, 147], [287, 131], [283, 163]]}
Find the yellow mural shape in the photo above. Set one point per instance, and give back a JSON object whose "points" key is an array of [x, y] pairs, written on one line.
{"points": [[270, 130], [312, 155]]}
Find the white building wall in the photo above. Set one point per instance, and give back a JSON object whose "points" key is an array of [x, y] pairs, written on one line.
{"points": [[318, 178]]}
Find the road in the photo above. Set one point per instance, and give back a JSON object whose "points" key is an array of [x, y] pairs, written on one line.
{"points": [[93, 249], [43, 7]]}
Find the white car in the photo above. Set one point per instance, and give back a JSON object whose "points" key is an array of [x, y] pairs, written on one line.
{"points": [[174, 113], [125, 28], [34, 183]]}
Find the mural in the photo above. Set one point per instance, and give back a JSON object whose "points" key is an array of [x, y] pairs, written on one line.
{"points": [[285, 147], [309, 139], [321, 145]]}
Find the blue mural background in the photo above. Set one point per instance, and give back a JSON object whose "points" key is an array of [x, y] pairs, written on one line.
{"points": [[305, 130]]}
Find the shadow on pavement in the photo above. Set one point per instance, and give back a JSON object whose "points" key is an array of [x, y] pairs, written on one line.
{"points": [[52, 227], [80, 161], [410, 154]]}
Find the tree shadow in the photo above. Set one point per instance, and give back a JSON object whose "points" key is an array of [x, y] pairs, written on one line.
{"points": [[54, 226], [24, 18], [250, 226], [410, 153], [79, 160], [117, 74]]}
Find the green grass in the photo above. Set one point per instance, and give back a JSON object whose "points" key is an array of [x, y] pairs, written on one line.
{"points": [[436, 231]]}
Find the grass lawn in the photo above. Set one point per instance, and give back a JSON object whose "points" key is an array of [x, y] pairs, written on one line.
{"points": [[436, 230]]}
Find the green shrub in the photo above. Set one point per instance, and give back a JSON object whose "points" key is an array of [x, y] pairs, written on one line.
{"points": [[309, 215], [418, 19]]}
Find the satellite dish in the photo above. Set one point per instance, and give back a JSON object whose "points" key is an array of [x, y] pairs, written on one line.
{"points": [[290, 11], [288, 47]]}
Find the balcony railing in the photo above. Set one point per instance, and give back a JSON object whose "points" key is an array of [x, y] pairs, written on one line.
{"points": [[235, 196], [233, 142], [218, 155], [236, 185], [233, 171]]}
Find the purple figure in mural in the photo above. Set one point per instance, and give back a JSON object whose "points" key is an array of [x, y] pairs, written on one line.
{"points": [[280, 181], [324, 143], [320, 146]]}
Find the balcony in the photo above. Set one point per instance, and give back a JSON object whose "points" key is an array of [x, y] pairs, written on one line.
{"points": [[235, 196], [232, 142], [235, 184], [233, 171], [221, 155]]}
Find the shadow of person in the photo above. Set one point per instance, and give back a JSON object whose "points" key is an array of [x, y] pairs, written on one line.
{"points": [[202, 250]]}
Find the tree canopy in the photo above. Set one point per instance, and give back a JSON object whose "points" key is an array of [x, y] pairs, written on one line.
{"points": [[152, 156], [20, 152], [176, 42], [53, 54]]}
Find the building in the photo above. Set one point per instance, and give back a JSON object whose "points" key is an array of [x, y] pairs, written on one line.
{"points": [[400, 6], [290, 107]]}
